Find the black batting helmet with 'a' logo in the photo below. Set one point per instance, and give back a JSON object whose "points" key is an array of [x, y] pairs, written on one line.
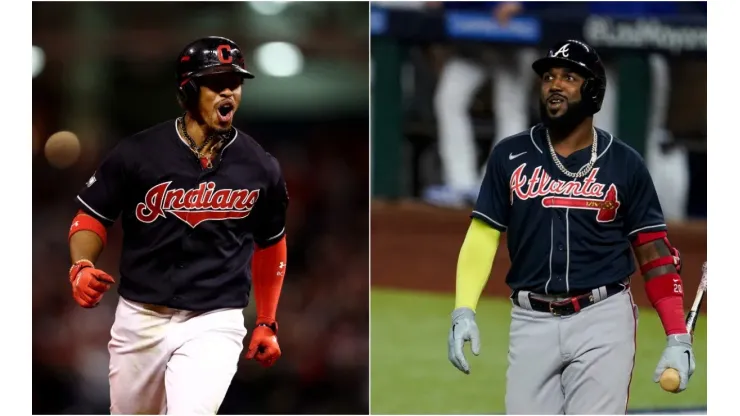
{"points": [[206, 56], [583, 59]]}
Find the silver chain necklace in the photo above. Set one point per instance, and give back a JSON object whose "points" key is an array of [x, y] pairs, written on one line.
{"points": [[581, 172]]}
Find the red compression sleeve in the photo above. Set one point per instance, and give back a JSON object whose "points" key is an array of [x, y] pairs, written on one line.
{"points": [[82, 221], [666, 295], [268, 271], [665, 292]]}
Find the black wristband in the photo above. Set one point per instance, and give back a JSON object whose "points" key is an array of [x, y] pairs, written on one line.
{"points": [[272, 326]]}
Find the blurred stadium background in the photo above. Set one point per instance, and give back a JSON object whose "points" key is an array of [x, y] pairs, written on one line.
{"points": [[106, 70], [451, 79]]}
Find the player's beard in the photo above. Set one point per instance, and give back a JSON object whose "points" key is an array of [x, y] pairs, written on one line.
{"points": [[219, 130], [564, 124], [218, 133]]}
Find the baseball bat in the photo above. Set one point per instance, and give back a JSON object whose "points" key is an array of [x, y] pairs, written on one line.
{"points": [[670, 379]]}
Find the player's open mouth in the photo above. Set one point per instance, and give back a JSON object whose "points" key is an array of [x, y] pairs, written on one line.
{"points": [[225, 112], [555, 102]]}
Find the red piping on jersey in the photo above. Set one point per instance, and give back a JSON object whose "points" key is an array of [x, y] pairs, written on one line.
{"points": [[634, 354]]}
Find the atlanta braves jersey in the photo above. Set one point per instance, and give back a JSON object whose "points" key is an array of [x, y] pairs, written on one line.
{"points": [[188, 232], [565, 235]]}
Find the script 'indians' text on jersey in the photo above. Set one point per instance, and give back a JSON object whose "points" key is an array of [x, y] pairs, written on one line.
{"points": [[196, 205], [188, 232]]}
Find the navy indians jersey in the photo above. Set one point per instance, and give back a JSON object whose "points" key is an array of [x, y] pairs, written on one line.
{"points": [[567, 235], [188, 232]]}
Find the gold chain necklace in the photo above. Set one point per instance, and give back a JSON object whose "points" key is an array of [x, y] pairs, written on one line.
{"points": [[195, 148]]}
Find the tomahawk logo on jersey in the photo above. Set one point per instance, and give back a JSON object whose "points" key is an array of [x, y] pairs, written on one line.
{"points": [[586, 221], [580, 211], [588, 194]]}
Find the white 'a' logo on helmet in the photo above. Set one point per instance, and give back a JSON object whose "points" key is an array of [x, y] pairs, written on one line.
{"points": [[563, 51]]}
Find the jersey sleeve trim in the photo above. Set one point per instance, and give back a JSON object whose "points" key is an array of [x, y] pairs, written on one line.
{"points": [[276, 236], [93, 211], [488, 220], [611, 139], [648, 227], [270, 241], [236, 133], [531, 137]]}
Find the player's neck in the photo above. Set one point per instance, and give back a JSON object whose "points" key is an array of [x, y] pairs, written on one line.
{"points": [[196, 130], [567, 142]]}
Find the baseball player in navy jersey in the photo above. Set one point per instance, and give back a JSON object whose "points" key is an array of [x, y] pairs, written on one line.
{"points": [[203, 210], [576, 202]]}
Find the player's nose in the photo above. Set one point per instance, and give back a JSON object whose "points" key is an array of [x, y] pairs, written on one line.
{"points": [[556, 86]]}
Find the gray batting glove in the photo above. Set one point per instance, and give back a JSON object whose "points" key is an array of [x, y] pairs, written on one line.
{"points": [[463, 329], [678, 355]]}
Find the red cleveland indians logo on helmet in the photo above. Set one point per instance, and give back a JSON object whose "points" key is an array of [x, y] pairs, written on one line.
{"points": [[588, 194], [196, 205]]}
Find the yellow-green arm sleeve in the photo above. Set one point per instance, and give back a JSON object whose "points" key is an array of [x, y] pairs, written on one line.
{"points": [[475, 262]]}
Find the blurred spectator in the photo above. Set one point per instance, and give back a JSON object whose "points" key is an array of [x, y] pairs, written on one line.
{"points": [[509, 68], [668, 165], [462, 75], [456, 63]]}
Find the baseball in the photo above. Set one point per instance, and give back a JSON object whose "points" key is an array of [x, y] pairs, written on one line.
{"points": [[225, 202], [670, 380], [62, 149]]}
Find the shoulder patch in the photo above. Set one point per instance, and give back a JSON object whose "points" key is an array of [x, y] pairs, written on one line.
{"points": [[91, 181]]}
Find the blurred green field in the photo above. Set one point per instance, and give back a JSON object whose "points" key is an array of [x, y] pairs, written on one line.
{"points": [[410, 373]]}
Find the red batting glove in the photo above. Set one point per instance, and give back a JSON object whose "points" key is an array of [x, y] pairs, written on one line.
{"points": [[263, 346], [88, 283]]}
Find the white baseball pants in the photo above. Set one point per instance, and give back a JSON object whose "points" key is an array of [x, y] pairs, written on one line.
{"points": [[169, 361]]}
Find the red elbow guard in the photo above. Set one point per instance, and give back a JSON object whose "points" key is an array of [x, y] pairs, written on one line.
{"points": [[665, 292], [83, 221], [674, 258], [666, 295], [644, 238]]}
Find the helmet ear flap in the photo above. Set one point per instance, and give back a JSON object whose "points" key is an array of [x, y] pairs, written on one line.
{"points": [[187, 93], [592, 92], [181, 98]]}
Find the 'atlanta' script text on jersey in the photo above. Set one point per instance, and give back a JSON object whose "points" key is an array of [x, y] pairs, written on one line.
{"points": [[567, 235], [588, 194]]}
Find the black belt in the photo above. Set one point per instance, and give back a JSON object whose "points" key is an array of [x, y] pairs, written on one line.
{"points": [[571, 305]]}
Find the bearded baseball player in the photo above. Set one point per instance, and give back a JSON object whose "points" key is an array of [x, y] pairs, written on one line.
{"points": [[203, 210], [576, 202]]}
